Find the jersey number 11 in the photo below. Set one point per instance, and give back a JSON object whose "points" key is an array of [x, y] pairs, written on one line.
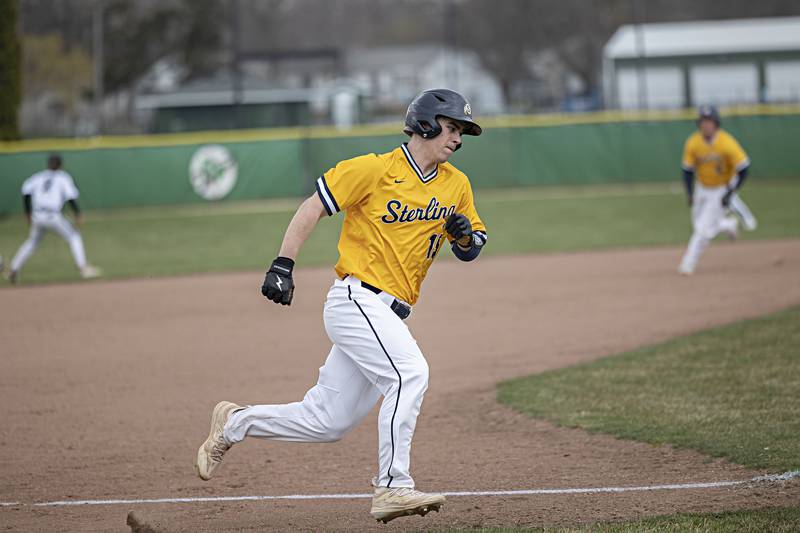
{"points": [[434, 245]]}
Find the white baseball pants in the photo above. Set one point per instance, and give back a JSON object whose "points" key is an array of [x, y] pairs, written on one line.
{"points": [[741, 210], [373, 355], [53, 221], [709, 219]]}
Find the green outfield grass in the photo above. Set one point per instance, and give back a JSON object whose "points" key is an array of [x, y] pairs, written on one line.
{"points": [[774, 520], [728, 392], [158, 241]]}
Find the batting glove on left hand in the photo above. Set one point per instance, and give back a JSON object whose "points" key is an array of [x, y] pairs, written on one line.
{"points": [[278, 284], [459, 227]]}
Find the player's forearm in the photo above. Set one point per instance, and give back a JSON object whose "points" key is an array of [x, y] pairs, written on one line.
{"points": [[301, 226], [75, 208], [465, 253], [688, 181], [740, 177]]}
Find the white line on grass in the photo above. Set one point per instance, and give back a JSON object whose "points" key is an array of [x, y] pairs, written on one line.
{"points": [[772, 478]]}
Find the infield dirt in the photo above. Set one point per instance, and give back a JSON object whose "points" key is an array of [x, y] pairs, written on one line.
{"points": [[106, 390]]}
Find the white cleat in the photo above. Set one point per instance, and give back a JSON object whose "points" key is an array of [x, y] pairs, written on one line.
{"points": [[388, 504], [209, 456], [685, 271], [91, 272], [750, 223]]}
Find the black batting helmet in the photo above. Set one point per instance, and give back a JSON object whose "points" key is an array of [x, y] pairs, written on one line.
{"points": [[428, 105], [709, 112]]}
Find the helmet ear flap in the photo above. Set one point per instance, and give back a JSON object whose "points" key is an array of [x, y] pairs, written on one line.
{"points": [[427, 130]]}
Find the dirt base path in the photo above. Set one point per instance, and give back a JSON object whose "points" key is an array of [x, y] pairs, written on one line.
{"points": [[106, 390]]}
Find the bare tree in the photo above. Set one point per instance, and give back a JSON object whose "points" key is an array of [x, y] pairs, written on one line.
{"points": [[500, 33]]}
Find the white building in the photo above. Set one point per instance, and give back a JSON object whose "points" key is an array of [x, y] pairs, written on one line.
{"points": [[393, 75], [685, 64], [343, 88]]}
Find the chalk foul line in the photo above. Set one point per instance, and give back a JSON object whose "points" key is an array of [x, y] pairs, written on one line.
{"points": [[770, 478]]}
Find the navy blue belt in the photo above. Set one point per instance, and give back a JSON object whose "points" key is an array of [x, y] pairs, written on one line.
{"points": [[400, 308]]}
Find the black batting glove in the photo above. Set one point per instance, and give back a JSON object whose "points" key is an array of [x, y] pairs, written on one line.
{"points": [[726, 200], [459, 227], [278, 284]]}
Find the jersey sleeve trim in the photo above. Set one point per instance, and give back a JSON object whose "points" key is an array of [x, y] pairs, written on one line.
{"points": [[743, 164], [688, 167], [28, 186], [327, 197]]}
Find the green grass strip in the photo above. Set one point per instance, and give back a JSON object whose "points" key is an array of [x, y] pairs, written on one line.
{"points": [[161, 241], [728, 392]]}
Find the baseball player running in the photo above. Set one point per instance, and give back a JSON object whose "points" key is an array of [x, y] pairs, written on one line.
{"points": [[715, 159], [399, 208], [44, 195]]}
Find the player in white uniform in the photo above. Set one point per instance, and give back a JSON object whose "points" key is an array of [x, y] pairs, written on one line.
{"points": [[44, 195]]}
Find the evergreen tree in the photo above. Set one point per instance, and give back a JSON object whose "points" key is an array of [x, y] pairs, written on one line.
{"points": [[10, 78]]}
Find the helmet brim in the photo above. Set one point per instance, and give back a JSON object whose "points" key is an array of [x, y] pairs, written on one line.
{"points": [[468, 126], [712, 118]]}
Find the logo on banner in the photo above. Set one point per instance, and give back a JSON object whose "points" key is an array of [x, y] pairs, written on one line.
{"points": [[213, 172]]}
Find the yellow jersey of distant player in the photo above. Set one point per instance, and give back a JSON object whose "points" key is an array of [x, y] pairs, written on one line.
{"points": [[394, 217], [716, 161]]}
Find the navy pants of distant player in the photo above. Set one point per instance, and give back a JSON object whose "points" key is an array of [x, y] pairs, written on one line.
{"points": [[373, 355], [50, 221]]}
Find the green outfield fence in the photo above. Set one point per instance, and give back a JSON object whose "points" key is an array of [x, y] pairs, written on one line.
{"points": [[513, 151]]}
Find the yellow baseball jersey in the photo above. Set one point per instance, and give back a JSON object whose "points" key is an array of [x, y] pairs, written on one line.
{"points": [[716, 161], [394, 217]]}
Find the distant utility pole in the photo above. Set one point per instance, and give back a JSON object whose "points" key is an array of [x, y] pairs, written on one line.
{"points": [[450, 32], [97, 70], [637, 8], [237, 88]]}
